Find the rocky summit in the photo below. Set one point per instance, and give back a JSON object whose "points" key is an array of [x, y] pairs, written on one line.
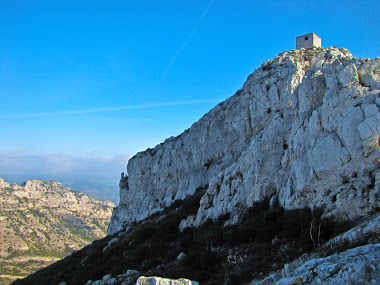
{"points": [[43, 221], [303, 131], [279, 184]]}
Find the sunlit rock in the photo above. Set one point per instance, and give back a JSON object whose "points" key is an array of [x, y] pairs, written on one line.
{"points": [[297, 130]]}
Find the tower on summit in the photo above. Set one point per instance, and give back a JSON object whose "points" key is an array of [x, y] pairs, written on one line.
{"points": [[308, 41]]}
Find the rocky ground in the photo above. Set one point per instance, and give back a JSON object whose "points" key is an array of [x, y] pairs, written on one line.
{"points": [[43, 221]]}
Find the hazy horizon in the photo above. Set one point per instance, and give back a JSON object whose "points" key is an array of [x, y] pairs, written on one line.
{"points": [[98, 188], [85, 85]]}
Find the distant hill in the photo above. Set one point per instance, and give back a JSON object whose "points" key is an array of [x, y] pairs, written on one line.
{"points": [[43, 221], [102, 188]]}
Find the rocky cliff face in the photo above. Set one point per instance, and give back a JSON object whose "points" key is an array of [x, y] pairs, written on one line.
{"points": [[303, 131], [43, 221]]}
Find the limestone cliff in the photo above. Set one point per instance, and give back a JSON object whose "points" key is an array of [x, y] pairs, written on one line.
{"points": [[303, 130], [43, 221]]}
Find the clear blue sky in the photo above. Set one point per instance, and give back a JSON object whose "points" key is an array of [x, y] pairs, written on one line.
{"points": [[86, 84]]}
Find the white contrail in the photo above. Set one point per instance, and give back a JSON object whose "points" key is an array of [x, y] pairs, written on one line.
{"points": [[194, 30], [110, 109]]}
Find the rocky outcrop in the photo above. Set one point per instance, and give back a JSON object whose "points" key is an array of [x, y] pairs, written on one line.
{"points": [[303, 131], [129, 276], [163, 281], [126, 278], [338, 268], [43, 221], [355, 266]]}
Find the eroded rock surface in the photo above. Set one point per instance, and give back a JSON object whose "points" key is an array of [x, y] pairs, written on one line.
{"points": [[303, 129], [355, 266], [164, 281]]}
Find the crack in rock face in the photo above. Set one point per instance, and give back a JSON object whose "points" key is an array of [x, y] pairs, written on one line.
{"points": [[296, 131]]}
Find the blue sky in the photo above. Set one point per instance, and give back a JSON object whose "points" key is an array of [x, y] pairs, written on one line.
{"points": [[86, 84]]}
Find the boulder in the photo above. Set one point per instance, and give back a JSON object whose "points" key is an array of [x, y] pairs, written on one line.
{"points": [[164, 281]]}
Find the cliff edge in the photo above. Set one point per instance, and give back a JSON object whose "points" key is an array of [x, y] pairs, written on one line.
{"points": [[303, 131]]}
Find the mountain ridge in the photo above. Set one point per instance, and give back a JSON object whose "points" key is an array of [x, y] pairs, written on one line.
{"points": [[43, 221], [308, 116], [100, 189]]}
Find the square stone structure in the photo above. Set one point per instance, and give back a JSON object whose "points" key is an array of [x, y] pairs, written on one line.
{"points": [[308, 41]]}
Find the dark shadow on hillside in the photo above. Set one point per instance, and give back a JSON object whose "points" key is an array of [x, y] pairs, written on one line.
{"points": [[266, 239]]}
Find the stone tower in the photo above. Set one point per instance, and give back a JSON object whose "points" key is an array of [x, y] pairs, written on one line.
{"points": [[308, 41]]}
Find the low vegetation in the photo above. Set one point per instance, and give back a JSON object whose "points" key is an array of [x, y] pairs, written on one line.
{"points": [[266, 239]]}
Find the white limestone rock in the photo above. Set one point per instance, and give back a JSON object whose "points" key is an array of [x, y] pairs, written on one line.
{"points": [[298, 129], [348, 76], [132, 272], [4, 184], [368, 227], [369, 74], [164, 281], [325, 157], [181, 256], [355, 266]]}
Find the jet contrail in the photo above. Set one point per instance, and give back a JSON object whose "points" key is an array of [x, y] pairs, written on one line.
{"points": [[194, 30], [110, 109]]}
